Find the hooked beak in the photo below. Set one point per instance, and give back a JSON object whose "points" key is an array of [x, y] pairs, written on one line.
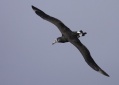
{"points": [[54, 42]]}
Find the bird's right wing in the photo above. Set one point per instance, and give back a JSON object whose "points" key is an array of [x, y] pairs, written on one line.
{"points": [[87, 56], [56, 22]]}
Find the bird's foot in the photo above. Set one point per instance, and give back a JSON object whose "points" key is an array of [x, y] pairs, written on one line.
{"points": [[83, 33]]}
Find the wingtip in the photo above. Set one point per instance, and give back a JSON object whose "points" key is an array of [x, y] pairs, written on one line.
{"points": [[34, 8], [103, 72]]}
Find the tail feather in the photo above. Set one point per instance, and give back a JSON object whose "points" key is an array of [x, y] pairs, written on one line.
{"points": [[83, 33]]}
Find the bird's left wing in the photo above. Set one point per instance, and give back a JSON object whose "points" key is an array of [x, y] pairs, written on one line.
{"points": [[56, 22], [87, 56]]}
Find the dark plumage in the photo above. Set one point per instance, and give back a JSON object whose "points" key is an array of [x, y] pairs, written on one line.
{"points": [[72, 37]]}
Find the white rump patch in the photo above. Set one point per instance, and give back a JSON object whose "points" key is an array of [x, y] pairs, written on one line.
{"points": [[80, 34]]}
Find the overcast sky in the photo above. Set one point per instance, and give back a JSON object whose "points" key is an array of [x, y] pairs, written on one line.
{"points": [[27, 56]]}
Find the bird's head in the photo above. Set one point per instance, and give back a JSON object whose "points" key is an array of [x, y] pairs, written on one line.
{"points": [[60, 40], [57, 40]]}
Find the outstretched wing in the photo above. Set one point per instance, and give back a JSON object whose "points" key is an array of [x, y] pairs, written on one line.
{"points": [[87, 56], [56, 22]]}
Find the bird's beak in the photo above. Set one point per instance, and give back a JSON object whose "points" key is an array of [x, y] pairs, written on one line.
{"points": [[54, 42]]}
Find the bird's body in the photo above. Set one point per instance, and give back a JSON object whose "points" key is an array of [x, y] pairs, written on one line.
{"points": [[72, 37], [64, 39]]}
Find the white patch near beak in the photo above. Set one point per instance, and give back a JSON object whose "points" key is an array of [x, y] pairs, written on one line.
{"points": [[55, 42]]}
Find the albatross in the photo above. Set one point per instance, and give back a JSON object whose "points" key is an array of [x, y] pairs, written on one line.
{"points": [[72, 37]]}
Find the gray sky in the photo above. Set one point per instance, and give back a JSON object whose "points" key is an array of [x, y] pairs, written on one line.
{"points": [[27, 56]]}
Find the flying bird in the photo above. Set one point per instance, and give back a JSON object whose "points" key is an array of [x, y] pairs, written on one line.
{"points": [[72, 37]]}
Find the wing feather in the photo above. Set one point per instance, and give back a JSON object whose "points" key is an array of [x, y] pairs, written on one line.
{"points": [[87, 56], [56, 22]]}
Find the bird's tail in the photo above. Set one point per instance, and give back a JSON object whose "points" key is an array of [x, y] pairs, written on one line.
{"points": [[103, 72], [83, 33]]}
